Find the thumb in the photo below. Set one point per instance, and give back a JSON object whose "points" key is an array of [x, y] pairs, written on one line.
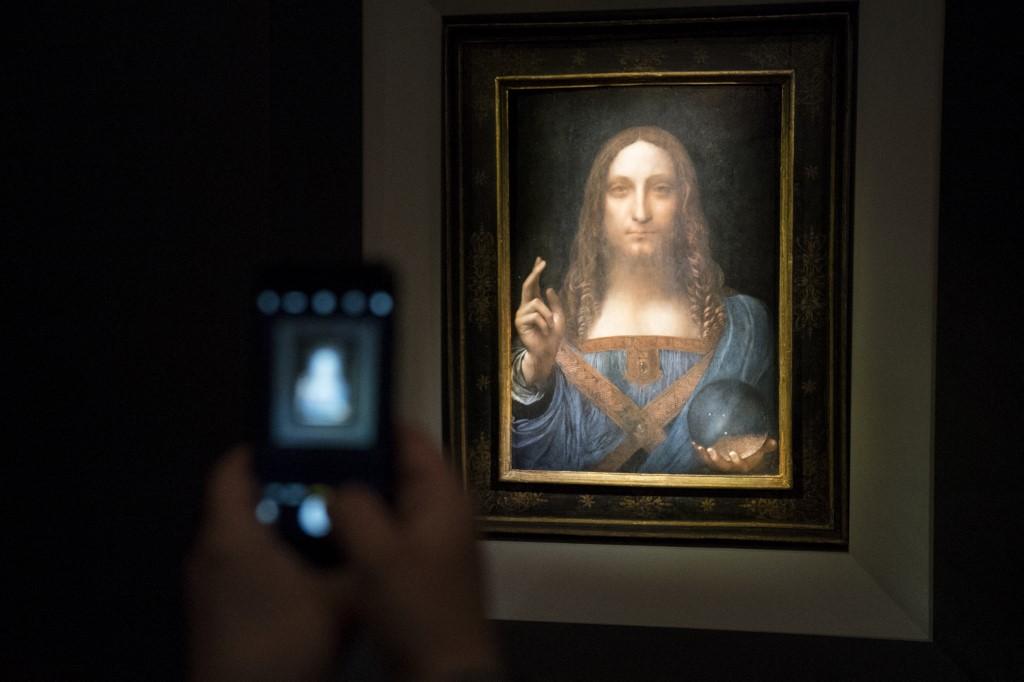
{"points": [[231, 495]]}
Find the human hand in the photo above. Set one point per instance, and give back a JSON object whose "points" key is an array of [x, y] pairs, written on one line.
{"points": [[416, 567], [540, 327], [256, 610], [737, 454]]}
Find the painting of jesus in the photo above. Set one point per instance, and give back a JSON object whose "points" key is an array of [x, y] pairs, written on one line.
{"points": [[608, 369]]}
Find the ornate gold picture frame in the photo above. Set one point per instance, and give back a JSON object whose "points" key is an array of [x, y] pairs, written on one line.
{"points": [[647, 272]]}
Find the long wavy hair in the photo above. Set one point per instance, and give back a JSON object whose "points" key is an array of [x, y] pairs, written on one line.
{"points": [[696, 272]]}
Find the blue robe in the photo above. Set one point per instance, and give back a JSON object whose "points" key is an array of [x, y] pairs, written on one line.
{"points": [[572, 434]]}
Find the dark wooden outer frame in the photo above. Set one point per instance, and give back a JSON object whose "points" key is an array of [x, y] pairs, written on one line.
{"points": [[817, 43]]}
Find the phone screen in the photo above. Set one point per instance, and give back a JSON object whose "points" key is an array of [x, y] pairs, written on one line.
{"points": [[323, 418], [325, 383]]}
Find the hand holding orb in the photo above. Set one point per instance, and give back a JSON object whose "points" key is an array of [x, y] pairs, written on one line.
{"points": [[728, 422]]}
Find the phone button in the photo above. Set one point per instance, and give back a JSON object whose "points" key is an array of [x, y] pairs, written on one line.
{"points": [[267, 511], [381, 303], [324, 302], [313, 518], [294, 302], [268, 302], [353, 302], [291, 493]]}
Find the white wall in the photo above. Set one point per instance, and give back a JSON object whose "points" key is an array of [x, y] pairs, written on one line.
{"points": [[882, 586]]}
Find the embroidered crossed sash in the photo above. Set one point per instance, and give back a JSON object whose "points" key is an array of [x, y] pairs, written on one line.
{"points": [[643, 426]]}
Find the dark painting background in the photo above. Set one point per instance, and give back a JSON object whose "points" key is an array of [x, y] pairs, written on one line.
{"points": [[732, 133]]}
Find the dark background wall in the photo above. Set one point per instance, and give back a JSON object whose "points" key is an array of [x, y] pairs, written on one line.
{"points": [[156, 158], [980, 368]]}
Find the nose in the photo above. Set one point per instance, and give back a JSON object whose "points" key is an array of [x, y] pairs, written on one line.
{"points": [[641, 211]]}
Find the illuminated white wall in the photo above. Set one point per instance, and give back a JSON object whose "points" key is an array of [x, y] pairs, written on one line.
{"points": [[882, 586]]}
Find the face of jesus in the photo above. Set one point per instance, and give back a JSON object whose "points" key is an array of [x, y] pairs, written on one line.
{"points": [[640, 201]]}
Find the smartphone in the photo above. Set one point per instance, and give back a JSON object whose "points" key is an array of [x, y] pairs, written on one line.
{"points": [[321, 413]]}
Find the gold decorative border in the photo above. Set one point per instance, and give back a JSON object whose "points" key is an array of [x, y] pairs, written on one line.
{"points": [[503, 87]]}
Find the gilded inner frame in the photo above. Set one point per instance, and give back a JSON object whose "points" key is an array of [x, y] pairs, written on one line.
{"points": [[528, 100], [506, 87]]}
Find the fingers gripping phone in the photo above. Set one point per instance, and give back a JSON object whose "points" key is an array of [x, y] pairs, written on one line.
{"points": [[322, 395]]}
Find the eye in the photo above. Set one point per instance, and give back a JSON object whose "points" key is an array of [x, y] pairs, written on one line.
{"points": [[663, 189], [618, 190]]}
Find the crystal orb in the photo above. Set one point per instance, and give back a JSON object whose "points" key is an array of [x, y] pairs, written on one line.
{"points": [[727, 407]]}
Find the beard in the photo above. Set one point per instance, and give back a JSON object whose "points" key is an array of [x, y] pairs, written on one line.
{"points": [[662, 263]]}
